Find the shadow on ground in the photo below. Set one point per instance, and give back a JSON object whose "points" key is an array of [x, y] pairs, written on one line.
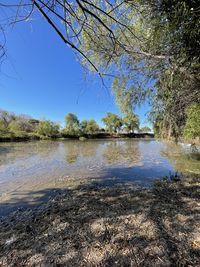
{"points": [[94, 225], [108, 177]]}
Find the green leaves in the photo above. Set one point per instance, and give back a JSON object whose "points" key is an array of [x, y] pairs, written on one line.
{"points": [[89, 127], [71, 120], [76, 128], [192, 127], [112, 122], [131, 121], [47, 128], [145, 129]]}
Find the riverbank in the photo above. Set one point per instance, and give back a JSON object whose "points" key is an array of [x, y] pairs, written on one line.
{"points": [[91, 225], [31, 137]]}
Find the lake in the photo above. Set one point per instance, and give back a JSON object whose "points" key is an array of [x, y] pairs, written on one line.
{"points": [[31, 171]]}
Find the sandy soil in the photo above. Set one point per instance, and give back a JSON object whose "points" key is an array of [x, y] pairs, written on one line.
{"points": [[90, 225]]}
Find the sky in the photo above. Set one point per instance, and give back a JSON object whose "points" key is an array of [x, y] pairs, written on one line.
{"points": [[41, 77]]}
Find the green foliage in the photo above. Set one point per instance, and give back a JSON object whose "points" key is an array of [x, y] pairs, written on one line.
{"points": [[71, 120], [192, 127], [47, 128], [150, 48], [73, 130], [72, 127], [155, 57], [145, 129], [3, 129], [89, 127], [131, 121], [112, 122], [14, 126], [6, 117]]}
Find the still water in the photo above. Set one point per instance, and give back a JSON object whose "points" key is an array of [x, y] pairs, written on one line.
{"points": [[27, 168]]}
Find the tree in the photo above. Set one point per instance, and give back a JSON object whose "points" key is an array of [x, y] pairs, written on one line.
{"points": [[77, 18], [22, 123], [17, 124], [150, 49], [160, 64], [192, 127], [145, 129], [2, 128], [25, 124], [71, 120], [6, 117], [14, 126], [89, 126], [131, 121], [72, 127], [112, 122], [47, 128]]}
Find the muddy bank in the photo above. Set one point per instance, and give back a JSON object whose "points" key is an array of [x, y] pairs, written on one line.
{"points": [[94, 136], [90, 225]]}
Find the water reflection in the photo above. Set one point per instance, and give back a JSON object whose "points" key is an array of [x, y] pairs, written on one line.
{"points": [[44, 164], [122, 153], [10, 152], [183, 159], [72, 153], [74, 150]]}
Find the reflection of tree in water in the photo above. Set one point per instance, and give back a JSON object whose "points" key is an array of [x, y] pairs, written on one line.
{"points": [[72, 151], [122, 152], [183, 160], [75, 149], [10, 152], [171, 150]]}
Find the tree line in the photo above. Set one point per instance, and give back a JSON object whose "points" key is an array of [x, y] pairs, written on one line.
{"points": [[149, 49], [12, 125]]}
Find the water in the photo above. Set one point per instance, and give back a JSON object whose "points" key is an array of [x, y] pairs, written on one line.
{"points": [[29, 170]]}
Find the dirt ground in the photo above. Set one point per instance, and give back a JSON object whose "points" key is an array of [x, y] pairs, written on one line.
{"points": [[91, 225]]}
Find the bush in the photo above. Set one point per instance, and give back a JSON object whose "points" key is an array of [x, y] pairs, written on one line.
{"points": [[72, 130], [47, 128], [89, 127]]}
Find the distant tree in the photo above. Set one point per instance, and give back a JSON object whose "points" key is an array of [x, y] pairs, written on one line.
{"points": [[89, 126], [32, 125], [25, 124], [71, 119], [131, 121], [192, 127], [3, 129], [145, 129], [112, 122], [47, 128], [6, 117], [72, 131], [14, 126], [83, 125], [72, 126]]}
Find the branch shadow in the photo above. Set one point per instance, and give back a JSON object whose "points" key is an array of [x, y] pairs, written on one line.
{"points": [[97, 225]]}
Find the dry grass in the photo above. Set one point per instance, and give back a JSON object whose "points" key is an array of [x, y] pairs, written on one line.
{"points": [[96, 226]]}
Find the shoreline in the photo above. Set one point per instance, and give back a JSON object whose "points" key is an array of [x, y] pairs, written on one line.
{"points": [[83, 137], [91, 225]]}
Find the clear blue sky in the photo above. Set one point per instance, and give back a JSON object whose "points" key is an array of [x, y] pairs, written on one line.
{"points": [[42, 78]]}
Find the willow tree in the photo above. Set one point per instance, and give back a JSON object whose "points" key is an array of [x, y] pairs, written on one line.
{"points": [[149, 48], [71, 20], [156, 57]]}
